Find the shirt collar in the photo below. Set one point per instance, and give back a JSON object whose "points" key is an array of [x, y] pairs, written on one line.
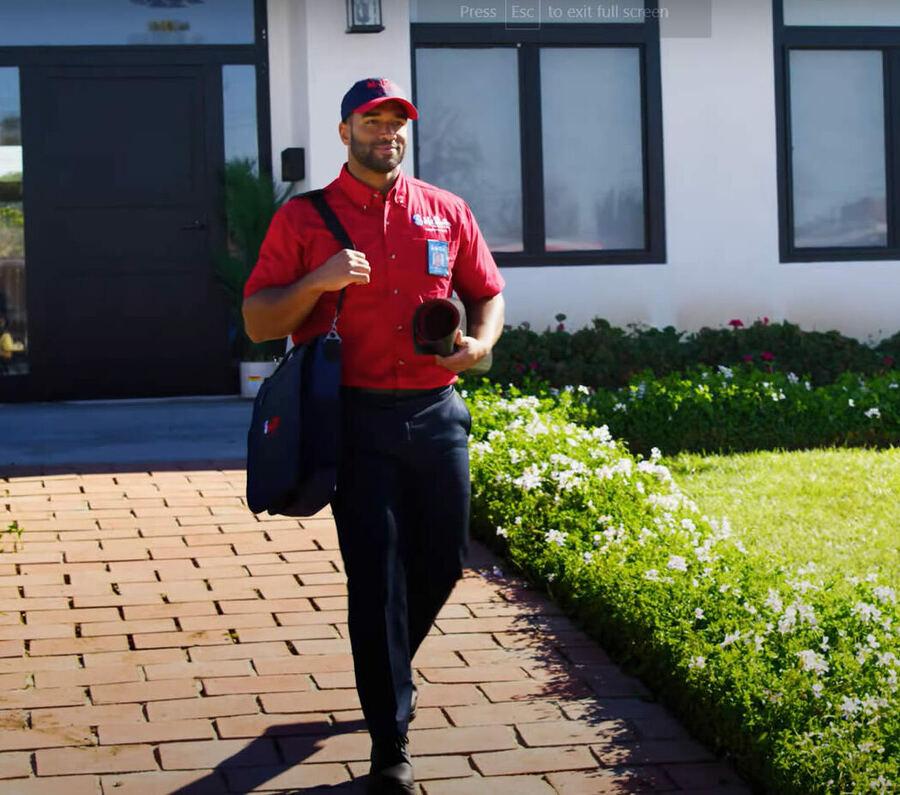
{"points": [[363, 195]]}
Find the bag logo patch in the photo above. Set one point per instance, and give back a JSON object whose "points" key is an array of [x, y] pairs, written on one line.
{"points": [[271, 425]]}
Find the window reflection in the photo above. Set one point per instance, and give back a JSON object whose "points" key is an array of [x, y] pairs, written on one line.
{"points": [[469, 134], [13, 320], [593, 158], [838, 149], [239, 110]]}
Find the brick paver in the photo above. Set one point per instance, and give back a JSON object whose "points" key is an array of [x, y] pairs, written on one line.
{"points": [[156, 636]]}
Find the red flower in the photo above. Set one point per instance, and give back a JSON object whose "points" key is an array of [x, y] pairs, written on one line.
{"points": [[561, 327], [735, 323], [533, 366], [888, 361], [747, 357], [766, 356], [765, 321]]}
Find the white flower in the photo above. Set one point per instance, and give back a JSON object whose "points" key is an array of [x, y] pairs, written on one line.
{"points": [[873, 413], [620, 407], [556, 537], [651, 574], [529, 479], [773, 601], [697, 662], [788, 620], [851, 403], [817, 689], [726, 371], [812, 661], [588, 557], [698, 613], [865, 612], [850, 706], [730, 637], [502, 532], [792, 378], [884, 594], [655, 454], [677, 563]]}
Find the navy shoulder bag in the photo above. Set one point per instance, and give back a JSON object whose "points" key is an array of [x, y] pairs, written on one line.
{"points": [[294, 437]]}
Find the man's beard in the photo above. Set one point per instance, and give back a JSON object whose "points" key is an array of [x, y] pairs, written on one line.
{"points": [[367, 156]]}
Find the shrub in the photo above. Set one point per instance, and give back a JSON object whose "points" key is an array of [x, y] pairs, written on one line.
{"points": [[792, 671], [603, 356], [742, 409]]}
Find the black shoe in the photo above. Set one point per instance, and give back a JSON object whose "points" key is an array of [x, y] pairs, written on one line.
{"points": [[391, 769], [414, 699]]}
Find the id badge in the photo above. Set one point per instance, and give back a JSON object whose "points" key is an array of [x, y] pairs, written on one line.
{"points": [[438, 258]]}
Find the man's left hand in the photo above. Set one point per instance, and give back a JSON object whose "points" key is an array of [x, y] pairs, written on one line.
{"points": [[471, 351]]}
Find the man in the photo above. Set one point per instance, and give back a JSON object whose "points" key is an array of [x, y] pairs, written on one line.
{"points": [[402, 501]]}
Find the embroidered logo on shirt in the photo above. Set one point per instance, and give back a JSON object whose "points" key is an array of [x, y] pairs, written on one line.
{"points": [[431, 223]]}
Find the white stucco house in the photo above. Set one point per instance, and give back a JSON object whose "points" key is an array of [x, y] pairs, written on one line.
{"points": [[666, 162]]}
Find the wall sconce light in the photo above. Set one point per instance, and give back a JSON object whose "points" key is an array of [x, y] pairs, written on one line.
{"points": [[364, 16]]}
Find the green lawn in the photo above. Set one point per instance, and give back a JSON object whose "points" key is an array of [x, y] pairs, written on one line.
{"points": [[836, 507]]}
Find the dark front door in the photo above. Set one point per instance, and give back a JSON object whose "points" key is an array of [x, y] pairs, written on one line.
{"points": [[121, 194]]}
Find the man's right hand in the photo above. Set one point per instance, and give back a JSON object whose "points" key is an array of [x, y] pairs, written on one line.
{"points": [[343, 269]]}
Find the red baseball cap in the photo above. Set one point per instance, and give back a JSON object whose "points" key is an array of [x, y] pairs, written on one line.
{"points": [[369, 92]]}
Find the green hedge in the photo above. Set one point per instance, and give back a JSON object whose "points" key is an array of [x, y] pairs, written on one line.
{"points": [[792, 672], [741, 409], [602, 355]]}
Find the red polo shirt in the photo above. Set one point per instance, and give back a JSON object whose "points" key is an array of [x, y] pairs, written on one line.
{"points": [[393, 231]]}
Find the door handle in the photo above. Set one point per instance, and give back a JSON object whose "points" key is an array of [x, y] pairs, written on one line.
{"points": [[194, 226]]}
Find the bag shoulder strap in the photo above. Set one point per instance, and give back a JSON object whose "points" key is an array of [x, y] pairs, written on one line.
{"points": [[334, 225], [332, 222]]}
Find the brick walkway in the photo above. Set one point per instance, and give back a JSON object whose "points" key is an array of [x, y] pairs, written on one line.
{"points": [[156, 637]]}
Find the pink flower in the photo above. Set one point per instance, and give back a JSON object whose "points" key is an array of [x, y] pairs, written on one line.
{"points": [[766, 356], [765, 321], [735, 323], [747, 357], [561, 327], [533, 366], [888, 361]]}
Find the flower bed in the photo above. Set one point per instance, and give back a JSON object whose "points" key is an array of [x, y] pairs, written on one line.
{"points": [[793, 671]]}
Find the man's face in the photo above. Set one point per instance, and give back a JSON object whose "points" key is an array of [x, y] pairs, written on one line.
{"points": [[377, 138]]}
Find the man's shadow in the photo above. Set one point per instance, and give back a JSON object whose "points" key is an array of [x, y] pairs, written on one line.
{"points": [[281, 748]]}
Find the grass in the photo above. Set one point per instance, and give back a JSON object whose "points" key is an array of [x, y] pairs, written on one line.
{"points": [[834, 507], [792, 669]]}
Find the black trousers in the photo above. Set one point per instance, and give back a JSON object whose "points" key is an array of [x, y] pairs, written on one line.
{"points": [[402, 515]]}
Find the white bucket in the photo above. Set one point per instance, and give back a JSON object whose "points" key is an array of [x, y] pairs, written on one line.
{"points": [[252, 376]]}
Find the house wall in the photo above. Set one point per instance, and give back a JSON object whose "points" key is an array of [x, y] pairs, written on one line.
{"points": [[720, 174], [313, 62]]}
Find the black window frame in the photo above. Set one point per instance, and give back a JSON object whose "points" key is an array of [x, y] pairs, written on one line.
{"points": [[643, 36], [829, 37]]}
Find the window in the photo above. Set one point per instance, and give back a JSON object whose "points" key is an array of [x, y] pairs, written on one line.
{"points": [[240, 113], [838, 90], [13, 317], [551, 132]]}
